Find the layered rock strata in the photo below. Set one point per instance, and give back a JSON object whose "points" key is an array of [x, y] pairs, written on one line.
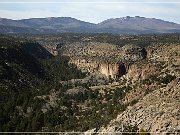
{"points": [[109, 60]]}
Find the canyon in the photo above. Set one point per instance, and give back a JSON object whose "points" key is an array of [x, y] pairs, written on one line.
{"points": [[134, 82], [109, 70], [152, 73], [107, 59]]}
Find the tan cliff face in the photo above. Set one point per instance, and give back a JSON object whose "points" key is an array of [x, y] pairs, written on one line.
{"points": [[136, 73], [115, 70], [155, 100], [108, 59], [112, 70]]}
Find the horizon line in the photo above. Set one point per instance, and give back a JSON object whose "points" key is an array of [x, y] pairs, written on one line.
{"points": [[80, 2], [88, 21]]}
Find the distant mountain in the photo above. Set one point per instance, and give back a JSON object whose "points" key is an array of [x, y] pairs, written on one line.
{"points": [[44, 25], [138, 25], [125, 25]]}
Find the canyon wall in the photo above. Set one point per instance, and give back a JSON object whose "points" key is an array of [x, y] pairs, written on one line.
{"points": [[112, 70], [82, 63], [110, 60], [136, 72]]}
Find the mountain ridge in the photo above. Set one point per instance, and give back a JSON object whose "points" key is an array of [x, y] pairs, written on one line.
{"points": [[124, 25]]}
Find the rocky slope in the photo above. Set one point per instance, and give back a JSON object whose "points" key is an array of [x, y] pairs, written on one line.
{"points": [[152, 73], [107, 59], [154, 100], [154, 115], [145, 94]]}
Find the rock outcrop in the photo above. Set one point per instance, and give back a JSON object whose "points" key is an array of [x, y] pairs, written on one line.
{"points": [[85, 64], [156, 108], [162, 115], [53, 48], [133, 52], [113, 70], [109, 60], [137, 72], [165, 52]]}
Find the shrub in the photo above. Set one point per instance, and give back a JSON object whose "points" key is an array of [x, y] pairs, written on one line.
{"points": [[167, 79], [143, 132]]}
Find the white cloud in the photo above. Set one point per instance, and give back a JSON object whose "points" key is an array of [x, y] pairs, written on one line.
{"points": [[25, 14]]}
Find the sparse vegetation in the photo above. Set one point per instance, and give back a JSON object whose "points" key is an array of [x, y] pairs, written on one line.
{"points": [[160, 80], [33, 97], [22, 111], [143, 132]]}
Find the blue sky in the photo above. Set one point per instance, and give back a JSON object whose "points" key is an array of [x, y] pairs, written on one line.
{"points": [[93, 11]]}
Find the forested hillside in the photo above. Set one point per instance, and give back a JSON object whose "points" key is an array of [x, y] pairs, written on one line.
{"points": [[44, 92], [27, 70], [35, 95]]}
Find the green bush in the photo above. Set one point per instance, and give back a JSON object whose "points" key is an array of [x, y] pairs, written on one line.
{"points": [[143, 132], [167, 79]]}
